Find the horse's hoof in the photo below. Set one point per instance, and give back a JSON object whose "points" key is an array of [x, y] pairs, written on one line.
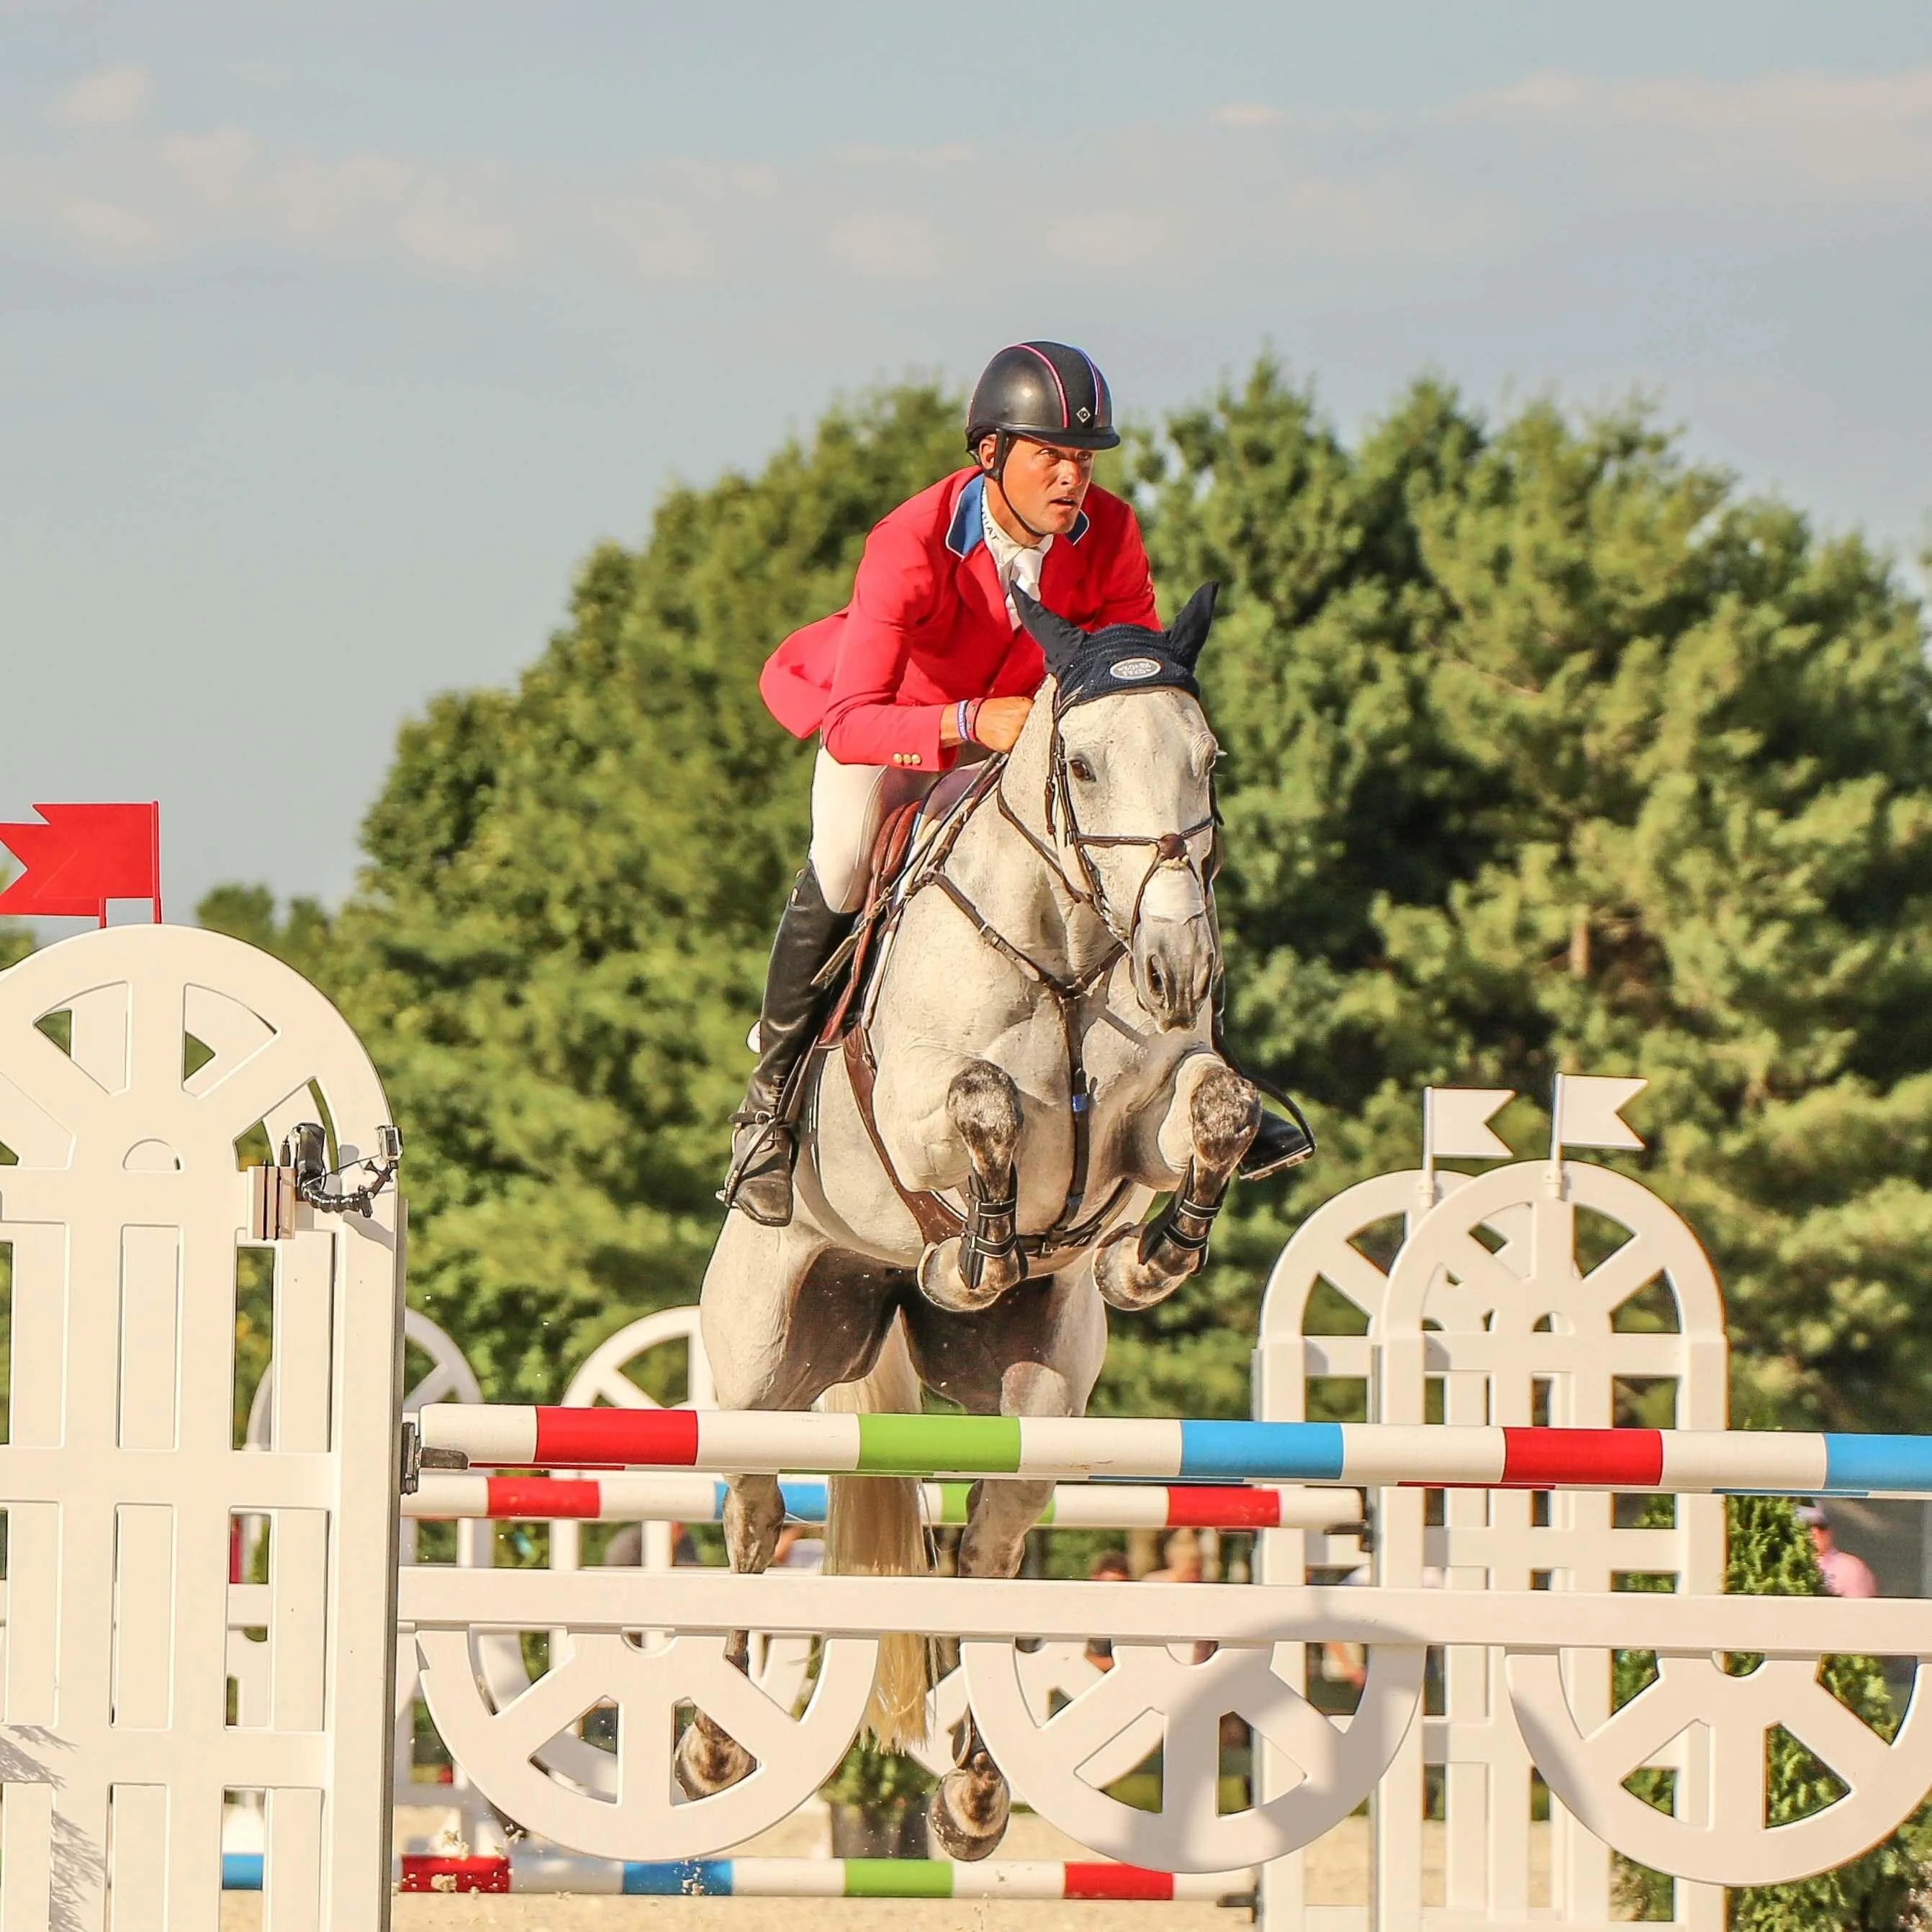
{"points": [[969, 1811], [942, 1283], [707, 1761], [1128, 1283]]}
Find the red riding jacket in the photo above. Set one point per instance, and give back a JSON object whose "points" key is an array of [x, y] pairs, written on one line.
{"points": [[927, 625]]}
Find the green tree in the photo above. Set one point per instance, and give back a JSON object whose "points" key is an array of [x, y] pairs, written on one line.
{"points": [[299, 935], [558, 940], [1771, 1555], [1550, 749]]}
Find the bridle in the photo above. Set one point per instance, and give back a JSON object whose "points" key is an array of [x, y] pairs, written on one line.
{"points": [[1169, 848], [937, 1219]]}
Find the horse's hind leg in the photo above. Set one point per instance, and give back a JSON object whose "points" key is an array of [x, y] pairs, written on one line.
{"points": [[759, 1277], [969, 1811], [974, 1269], [748, 1289], [708, 1758]]}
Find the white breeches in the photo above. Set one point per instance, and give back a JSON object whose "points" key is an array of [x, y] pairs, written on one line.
{"points": [[849, 802]]}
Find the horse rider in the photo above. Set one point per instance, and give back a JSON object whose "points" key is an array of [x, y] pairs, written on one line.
{"points": [[928, 664]]}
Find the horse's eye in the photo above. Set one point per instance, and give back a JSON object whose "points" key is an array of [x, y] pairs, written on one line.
{"points": [[1080, 768]]}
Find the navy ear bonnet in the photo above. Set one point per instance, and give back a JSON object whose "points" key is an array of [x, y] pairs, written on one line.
{"points": [[1087, 664]]}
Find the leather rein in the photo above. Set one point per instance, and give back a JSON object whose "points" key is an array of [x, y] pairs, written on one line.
{"points": [[937, 1219]]}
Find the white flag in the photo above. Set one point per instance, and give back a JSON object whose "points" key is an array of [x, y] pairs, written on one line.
{"points": [[1587, 1111], [1456, 1123]]}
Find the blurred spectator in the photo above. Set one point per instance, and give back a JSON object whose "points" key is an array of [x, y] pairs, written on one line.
{"points": [[1182, 1551], [1111, 1566], [1845, 1575], [1182, 1554], [795, 1550], [626, 1546]]}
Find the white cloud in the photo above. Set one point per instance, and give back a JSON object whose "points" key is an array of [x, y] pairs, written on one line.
{"points": [[1247, 114], [233, 184], [946, 155], [105, 228], [112, 97], [886, 247], [1478, 184], [1863, 135], [1107, 241], [216, 164], [662, 241]]}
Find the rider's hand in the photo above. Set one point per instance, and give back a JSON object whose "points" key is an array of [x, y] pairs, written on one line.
{"points": [[998, 724]]}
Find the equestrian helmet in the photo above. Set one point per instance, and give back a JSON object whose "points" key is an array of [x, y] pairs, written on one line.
{"points": [[1046, 392]]}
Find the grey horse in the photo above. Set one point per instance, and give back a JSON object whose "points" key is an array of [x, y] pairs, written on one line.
{"points": [[1036, 1068]]}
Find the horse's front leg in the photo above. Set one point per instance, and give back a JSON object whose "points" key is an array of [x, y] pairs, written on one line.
{"points": [[1213, 1116], [974, 1269], [708, 1758]]}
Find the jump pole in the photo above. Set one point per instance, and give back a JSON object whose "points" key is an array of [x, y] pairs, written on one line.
{"points": [[1649, 1461], [534, 1872], [450, 1495]]}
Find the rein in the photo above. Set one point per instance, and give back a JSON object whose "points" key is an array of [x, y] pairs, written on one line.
{"points": [[937, 1219]]}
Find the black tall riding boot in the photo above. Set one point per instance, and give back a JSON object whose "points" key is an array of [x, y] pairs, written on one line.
{"points": [[764, 1147]]}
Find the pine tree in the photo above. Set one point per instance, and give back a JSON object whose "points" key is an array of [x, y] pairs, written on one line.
{"points": [[1549, 749], [558, 943], [1771, 1555]]}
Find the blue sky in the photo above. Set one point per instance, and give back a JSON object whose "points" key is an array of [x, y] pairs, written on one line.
{"points": [[336, 333]]}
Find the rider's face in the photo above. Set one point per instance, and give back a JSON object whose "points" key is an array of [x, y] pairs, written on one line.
{"points": [[1045, 485]]}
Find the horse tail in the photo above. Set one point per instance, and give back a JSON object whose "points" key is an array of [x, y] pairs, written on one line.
{"points": [[873, 1528]]}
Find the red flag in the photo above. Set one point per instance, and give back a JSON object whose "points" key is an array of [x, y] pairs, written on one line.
{"points": [[84, 856]]}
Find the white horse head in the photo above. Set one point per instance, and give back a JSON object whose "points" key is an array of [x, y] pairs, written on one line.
{"points": [[1116, 769]]}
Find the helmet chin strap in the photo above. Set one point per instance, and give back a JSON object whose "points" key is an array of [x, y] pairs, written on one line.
{"points": [[1003, 448]]}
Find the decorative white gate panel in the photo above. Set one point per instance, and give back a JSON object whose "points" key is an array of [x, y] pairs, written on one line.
{"points": [[133, 1063], [1496, 1309]]}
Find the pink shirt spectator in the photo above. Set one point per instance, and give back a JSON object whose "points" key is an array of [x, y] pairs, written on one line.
{"points": [[1845, 1575]]}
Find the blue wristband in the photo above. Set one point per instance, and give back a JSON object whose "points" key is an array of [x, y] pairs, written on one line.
{"points": [[959, 720]]}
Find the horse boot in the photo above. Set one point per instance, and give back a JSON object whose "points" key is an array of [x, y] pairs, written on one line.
{"points": [[763, 1146]]}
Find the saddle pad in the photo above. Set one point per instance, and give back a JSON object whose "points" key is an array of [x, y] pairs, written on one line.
{"points": [[940, 806], [903, 838]]}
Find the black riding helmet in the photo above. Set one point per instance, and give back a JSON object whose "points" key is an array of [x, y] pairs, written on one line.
{"points": [[1045, 392]]}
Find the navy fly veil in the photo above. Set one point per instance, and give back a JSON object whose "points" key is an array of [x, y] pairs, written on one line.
{"points": [[1087, 664]]}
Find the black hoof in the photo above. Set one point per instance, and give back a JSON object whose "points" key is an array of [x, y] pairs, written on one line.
{"points": [[969, 1812]]}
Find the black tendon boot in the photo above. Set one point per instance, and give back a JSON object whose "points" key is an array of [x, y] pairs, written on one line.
{"points": [[763, 1146]]}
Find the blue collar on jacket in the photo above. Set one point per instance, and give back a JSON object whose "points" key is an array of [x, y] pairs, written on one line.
{"points": [[968, 528]]}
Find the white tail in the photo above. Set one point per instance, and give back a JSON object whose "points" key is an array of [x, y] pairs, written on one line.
{"points": [[872, 1528]]}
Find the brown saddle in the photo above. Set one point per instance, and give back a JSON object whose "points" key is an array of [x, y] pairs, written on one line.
{"points": [[846, 974]]}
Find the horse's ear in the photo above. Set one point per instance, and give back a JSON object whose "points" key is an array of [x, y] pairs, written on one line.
{"points": [[1188, 631], [1061, 641]]}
